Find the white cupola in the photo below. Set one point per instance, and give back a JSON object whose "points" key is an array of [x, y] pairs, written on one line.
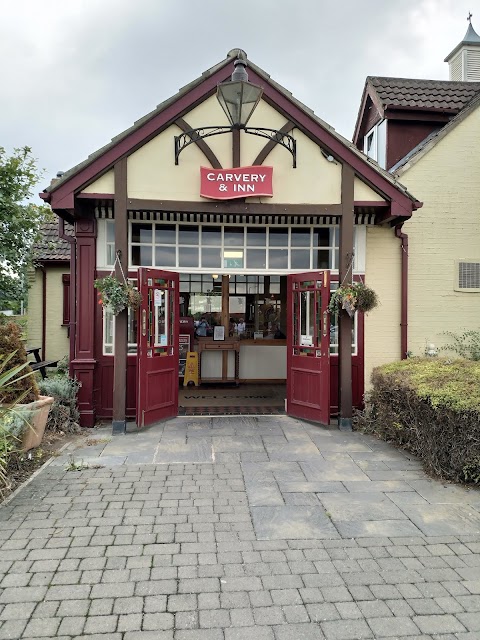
{"points": [[464, 60]]}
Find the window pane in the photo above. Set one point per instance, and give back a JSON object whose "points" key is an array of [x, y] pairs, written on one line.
{"points": [[165, 257], [110, 253], [278, 237], [256, 258], [165, 234], [300, 259], [212, 236], [110, 231], [211, 258], [300, 238], [278, 258], [142, 256], [233, 236], [321, 237], [321, 259], [188, 235], [256, 238], [141, 233], [188, 257]]}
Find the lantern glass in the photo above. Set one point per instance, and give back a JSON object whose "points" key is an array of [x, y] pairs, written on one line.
{"points": [[238, 100]]}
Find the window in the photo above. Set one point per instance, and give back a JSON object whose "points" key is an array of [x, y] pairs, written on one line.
{"points": [[109, 330], [370, 148], [375, 143], [467, 276], [229, 248], [66, 299]]}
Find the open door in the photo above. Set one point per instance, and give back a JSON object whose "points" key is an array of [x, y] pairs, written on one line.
{"points": [[157, 364], [308, 346]]}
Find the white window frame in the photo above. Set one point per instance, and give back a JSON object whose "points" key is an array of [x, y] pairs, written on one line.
{"points": [[456, 282], [359, 249], [371, 134]]}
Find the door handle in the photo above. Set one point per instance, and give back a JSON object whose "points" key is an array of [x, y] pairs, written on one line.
{"points": [[144, 322]]}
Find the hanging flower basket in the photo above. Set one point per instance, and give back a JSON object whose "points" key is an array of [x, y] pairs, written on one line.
{"points": [[115, 295], [353, 297]]}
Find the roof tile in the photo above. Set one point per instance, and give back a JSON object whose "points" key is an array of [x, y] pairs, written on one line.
{"points": [[442, 95], [49, 246]]}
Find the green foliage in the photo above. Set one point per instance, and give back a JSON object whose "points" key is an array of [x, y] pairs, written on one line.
{"points": [[353, 297], [117, 295], [12, 421], [63, 416], [19, 220], [452, 384], [430, 407], [466, 344], [12, 351]]}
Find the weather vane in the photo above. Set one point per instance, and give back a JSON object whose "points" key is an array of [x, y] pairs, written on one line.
{"points": [[469, 17]]}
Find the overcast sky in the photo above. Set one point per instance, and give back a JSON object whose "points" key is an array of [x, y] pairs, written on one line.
{"points": [[74, 73]]}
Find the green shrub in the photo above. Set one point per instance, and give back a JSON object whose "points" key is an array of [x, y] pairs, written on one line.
{"points": [[465, 345], [430, 407], [63, 415]]}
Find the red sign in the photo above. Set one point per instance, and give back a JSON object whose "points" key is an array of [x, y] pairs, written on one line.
{"points": [[244, 182]]}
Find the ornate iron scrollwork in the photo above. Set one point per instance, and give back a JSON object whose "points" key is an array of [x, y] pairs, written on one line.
{"points": [[194, 135]]}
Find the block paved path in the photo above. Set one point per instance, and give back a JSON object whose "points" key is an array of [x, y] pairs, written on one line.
{"points": [[258, 528]]}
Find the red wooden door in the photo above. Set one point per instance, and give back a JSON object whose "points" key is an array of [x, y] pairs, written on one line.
{"points": [[308, 346], [157, 364]]}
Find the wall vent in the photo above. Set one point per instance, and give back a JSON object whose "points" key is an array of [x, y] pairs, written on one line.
{"points": [[456, 67], [473, 65], [467, 275]]}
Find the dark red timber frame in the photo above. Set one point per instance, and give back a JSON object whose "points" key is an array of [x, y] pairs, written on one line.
{"points": [[308, 346], [157, 360], [69, 203]]}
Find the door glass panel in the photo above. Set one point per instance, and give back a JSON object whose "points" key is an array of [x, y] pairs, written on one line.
{"points": [[161, 318], [307, 318]]}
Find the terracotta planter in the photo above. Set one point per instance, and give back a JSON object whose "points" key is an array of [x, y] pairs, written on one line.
{"points": [[37, 420]]}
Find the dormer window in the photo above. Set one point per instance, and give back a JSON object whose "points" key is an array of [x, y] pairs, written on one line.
{"points": [[374, 143], [371, 144]]}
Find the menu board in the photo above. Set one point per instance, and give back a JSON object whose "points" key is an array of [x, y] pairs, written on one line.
{"points": [[183, 349]]}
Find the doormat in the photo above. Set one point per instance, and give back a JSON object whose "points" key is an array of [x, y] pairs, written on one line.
{"points": [[230, 411]]}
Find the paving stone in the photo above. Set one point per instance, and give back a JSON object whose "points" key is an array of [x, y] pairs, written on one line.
{"points": [[41, 627], [346, 630], [393, 627], [246, 633]]}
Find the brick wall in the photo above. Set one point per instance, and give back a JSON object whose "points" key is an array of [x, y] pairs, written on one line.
{"points": [[447, 180]]}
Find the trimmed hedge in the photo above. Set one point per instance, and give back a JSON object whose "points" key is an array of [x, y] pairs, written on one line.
{"points": [[430, 407]]}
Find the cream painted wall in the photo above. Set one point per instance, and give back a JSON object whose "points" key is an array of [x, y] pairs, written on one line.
{"points": [[383, 275], [34, 325], [363, 193], [105, 184], [446, 228], [56, 339], [152, 173]]}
